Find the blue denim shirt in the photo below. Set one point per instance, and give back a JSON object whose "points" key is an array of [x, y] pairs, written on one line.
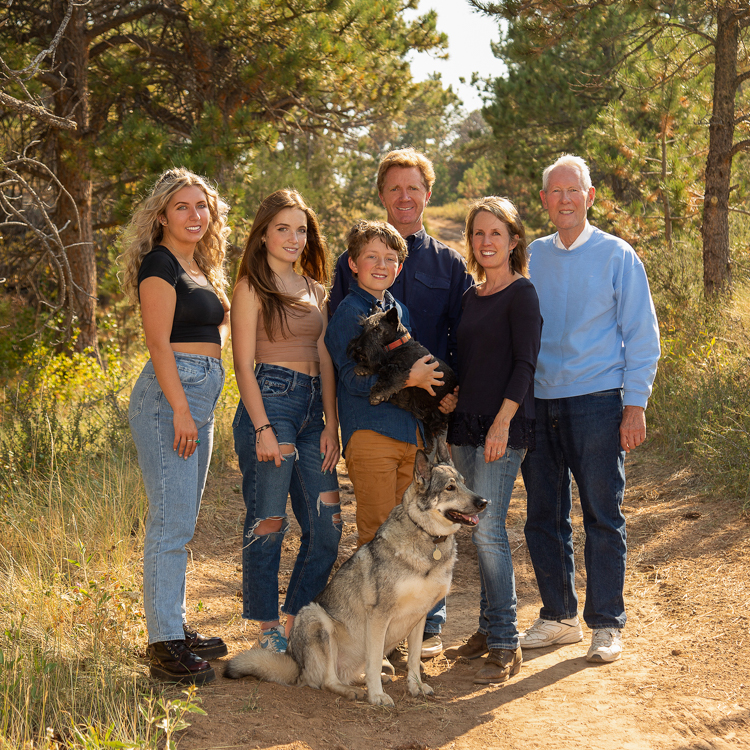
{"points": [[431, 285], [353, 391]]}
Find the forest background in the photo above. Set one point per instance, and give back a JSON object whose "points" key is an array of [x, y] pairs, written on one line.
{"points": [[98, 97]]}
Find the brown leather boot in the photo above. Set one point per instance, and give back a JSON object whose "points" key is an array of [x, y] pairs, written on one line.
{"points": [[501, 663], [475, 647]]}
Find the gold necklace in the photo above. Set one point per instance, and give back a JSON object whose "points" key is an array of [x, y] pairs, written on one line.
{"points": [[181, 260], [197, 270]]}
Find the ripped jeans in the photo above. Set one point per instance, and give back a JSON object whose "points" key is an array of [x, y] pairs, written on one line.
{"points": [[295, 409]]}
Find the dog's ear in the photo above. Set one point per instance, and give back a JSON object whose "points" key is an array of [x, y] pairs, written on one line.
{"points": [[422, 469], [392, 316], [441, 452]]}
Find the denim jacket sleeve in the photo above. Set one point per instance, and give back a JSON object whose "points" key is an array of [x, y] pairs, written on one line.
{"points": [[344, 326]]}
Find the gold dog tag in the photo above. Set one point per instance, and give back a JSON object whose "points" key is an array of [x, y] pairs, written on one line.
{"points": [[437, 554]]}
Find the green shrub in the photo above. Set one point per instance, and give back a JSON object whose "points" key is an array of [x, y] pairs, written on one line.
{"points": [[60, 406], [700, 408]]}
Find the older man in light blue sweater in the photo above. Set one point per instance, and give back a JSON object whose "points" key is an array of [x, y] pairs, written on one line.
{"points": [[596, 367]]}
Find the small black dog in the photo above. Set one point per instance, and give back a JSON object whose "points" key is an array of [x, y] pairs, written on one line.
{"points": [[385, 348]]}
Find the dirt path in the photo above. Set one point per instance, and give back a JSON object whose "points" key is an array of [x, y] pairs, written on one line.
{"points": [[682, 684]]}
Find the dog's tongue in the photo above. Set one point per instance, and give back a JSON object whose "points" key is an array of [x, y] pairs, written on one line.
{"points": [[473, 520]]}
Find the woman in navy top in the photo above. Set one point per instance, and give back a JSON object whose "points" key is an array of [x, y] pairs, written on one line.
{"points": [[493, 424], [173, 266]]}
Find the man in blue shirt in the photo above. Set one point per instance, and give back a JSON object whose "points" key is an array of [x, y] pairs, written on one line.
{"points": [[434, 277], [596, 367], [431, 284]]}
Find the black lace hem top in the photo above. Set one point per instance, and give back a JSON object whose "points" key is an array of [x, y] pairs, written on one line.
{"points": [[472, 429], [498, 343]]}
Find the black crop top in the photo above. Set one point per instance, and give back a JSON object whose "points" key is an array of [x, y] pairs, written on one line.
{"points": [[198, 312]]}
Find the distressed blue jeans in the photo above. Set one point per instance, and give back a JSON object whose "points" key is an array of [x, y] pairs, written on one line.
{"points": [[294, 407], [579, 435], [174, 486], [494, 482]]}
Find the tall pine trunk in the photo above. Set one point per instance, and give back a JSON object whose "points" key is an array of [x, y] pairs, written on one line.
{"points": [[717, 271], [74, 173]]}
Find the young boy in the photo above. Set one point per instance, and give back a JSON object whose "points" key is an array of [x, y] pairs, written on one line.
{"points": [[380, 442]]}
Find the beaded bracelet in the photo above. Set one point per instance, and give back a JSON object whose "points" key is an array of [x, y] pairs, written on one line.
{"points": [[264, 427]]}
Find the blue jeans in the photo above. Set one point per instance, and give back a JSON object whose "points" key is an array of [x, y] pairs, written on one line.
{"points": [[580, 434], [435, 619], [494, 482], [173, 485], [294, 407]]}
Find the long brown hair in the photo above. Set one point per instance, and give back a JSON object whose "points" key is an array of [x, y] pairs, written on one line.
{"points": [[313, 261]]}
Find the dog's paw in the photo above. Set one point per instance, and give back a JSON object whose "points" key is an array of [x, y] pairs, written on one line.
{"points": [[356, 694], [377, 398], [362, 370], [417, 687], [380, 699]]}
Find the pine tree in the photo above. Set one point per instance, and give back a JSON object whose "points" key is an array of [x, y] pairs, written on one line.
{"points": [[202, 84], [711, 35]]}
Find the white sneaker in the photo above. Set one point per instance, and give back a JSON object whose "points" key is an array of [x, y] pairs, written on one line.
{"points": [[606, 645], [551, 633], [432, 645], [273, 640]]}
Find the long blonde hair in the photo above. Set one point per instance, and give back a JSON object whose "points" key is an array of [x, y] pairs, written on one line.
{"points": [[313, 262], [144, 232]]}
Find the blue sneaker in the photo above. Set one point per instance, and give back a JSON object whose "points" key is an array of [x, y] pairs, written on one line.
{"points": [[273, 640]]}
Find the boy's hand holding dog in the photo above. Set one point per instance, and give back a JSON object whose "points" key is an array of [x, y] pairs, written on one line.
{"points": [[424, 374]]}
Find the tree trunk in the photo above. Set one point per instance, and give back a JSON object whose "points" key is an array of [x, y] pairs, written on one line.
{"points": [[664, 190], [74, 173], [717, 271]]}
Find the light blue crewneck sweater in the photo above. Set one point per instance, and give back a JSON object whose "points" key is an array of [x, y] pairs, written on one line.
{"points": [[600, 329]]}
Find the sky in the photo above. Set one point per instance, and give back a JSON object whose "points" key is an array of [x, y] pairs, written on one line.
{"points": [[469, 36]]}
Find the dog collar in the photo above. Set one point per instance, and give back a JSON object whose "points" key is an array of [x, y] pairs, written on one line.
{"points": [[398, 342]]}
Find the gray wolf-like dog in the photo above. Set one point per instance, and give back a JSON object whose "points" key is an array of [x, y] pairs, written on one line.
{"points": [[385, 348], [379, 596]]}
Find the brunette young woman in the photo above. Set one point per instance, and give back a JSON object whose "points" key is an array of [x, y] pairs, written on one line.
{"points": [[173, 267], [493, 424], [286, 381]]}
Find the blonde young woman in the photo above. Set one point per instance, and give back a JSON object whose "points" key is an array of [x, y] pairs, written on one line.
{"points": [[173, 267], [286, 383]]}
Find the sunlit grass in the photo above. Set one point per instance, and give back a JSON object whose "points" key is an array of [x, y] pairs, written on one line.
{"points": [[700, 408], [72, 630]]}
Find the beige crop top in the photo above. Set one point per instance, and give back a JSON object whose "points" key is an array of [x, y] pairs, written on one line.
{"points": [[304, 329]]}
